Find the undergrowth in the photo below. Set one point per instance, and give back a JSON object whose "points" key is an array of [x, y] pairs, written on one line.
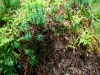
{"points": [[24, 26]]}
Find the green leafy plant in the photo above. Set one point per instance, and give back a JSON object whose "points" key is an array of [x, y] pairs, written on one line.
{"points": [[13, 4], [27, 37], [59, 18], [2, 7], [38, 16], [33, 61], [18, 35], [8, 59], [67, 7], [57, 34], [53, 10], [24, 26], [85, 39], [16, 44], [32, 58], [39, 37], [83, 2], [28, 52], [75, 25]]}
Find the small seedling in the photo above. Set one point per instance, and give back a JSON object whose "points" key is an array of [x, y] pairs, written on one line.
{"points": [[33, 61], [27, 37], [59, 18], [24, 26], [39, 37]]}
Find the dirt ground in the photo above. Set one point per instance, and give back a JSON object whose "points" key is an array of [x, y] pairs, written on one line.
{"points": [[65, 61], [61, 61]]}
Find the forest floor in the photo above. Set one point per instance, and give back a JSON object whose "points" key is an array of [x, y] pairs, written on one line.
{"points": [[53, 39], [62, 61]]}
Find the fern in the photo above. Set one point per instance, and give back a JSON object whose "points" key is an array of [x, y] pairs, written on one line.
{"points": [[8, 59], [85, 39]]}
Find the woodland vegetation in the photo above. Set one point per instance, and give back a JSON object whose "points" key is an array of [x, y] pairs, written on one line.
{"points": [[49, 37]]}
